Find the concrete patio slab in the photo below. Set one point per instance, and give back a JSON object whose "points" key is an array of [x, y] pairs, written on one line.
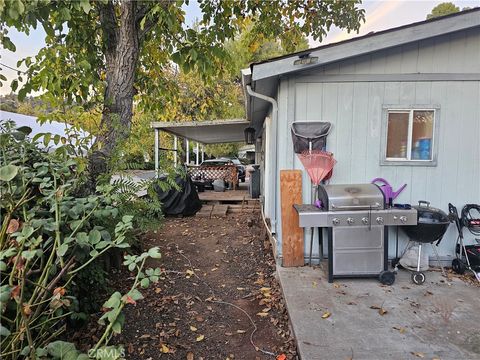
{"points": [[437, 320]]}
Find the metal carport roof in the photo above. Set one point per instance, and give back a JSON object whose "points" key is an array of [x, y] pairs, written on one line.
{"points": [[206, 132]]}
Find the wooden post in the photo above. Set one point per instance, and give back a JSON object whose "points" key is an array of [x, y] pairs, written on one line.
{"points": [[196, 154], [292, 234]]}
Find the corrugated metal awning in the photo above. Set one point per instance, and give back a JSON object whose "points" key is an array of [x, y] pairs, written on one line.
{"points": [[206, 132]]}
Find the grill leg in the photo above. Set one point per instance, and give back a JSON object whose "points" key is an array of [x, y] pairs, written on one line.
{"points": [[438, 260], [419, 256], [311, 245]]}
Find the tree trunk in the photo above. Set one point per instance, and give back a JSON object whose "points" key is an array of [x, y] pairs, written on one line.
{"points": [[121, 55]]}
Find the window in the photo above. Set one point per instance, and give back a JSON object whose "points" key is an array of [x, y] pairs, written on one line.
{"points": [[409, 136]]}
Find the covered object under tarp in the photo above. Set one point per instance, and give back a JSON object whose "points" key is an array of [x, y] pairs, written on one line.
{"points": [[180, 202]]}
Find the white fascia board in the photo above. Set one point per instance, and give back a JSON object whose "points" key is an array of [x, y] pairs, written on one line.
{"points": [[369, 44]]}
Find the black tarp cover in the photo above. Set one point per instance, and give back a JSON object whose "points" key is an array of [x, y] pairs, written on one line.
{"points": [[184, 202]]}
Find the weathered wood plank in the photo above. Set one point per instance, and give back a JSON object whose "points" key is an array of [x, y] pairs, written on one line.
{"points": [[291, 193]]}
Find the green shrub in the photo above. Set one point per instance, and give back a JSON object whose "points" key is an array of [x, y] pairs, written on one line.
{"points": [[48, 237]]}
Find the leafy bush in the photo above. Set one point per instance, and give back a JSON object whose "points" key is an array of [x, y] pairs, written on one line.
{"points": [[48, 236]]}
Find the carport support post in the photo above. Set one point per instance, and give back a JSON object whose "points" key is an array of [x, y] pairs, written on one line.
{"points": [[175, 148], [196, 154], [203, 153], [157, 145], [187, 154]]}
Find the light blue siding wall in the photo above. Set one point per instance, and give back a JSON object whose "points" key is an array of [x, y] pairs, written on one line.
{"points": [[355, 109]]}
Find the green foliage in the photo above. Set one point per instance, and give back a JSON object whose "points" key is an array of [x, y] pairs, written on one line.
{"points": [[84, 42], [442, 9], [219, 150], [48, 236]]}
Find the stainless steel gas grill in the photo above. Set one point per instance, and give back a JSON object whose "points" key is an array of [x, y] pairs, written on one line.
{"points": [[355, 216]]}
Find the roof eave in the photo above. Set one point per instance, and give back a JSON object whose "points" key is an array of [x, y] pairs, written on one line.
{"points": [[367, 44]]}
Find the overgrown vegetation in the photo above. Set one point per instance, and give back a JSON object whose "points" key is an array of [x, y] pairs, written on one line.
{"points": [[52, 240]]}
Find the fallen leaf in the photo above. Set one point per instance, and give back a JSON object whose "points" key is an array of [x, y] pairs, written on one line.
{"points": [[262, 314], [400, 329], [375, 307], [326, 315], [281, 357], [59, 291], [382, 311], [190, 356], [241, 331], [13, 226], [193, 328], [418, 354], [27, 310], [336, 286], [228, 334], [164, 349], [157, 290], [129, 300], [214, 269], [351, 303], [200, 338], [240, 288], [314, 284]]}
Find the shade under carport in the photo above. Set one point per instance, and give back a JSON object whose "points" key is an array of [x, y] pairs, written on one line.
{"points": [[206, 132]]}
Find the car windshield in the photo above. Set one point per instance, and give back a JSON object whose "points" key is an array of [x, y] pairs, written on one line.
{"points": [[236, 162]]}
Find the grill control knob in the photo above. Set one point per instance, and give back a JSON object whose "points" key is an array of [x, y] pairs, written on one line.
{"points": [[350, 221], [335, 221], [403, 219], [365, 221], [379, 220]]}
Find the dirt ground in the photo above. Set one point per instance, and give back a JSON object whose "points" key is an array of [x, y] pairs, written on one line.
{"points": [[218, 294]]}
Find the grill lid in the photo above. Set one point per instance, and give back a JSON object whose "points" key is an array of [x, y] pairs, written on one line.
{"points": [[351, 197], [429, 215]]}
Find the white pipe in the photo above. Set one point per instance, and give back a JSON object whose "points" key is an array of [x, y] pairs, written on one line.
{"points": [[157, 145], [188, 153], [271, 160], [203, 153], [196, 154], [175, 147]]}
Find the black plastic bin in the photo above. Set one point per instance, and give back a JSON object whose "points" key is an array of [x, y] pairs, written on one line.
{"points": [[254, 186]]}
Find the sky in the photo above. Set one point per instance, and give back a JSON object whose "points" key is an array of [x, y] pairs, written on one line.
{"points": [[380, 15]]}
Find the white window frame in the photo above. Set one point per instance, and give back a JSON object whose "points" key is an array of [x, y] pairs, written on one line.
{"points": [[387, 109]]}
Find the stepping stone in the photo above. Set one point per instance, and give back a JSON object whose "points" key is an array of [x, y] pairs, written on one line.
{"points": [[220, 210], [205, 211]]}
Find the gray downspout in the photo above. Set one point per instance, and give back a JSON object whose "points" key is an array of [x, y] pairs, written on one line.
{"points": [[273, 150]]}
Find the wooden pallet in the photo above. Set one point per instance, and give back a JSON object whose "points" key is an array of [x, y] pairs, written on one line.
{"points": [[221, 210]]}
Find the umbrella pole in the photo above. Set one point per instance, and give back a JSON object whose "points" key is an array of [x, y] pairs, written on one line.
{"points": [[312, 196]]}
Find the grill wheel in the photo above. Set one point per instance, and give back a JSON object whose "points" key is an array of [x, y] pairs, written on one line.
{"points": [[387, 277], [418, 277]]}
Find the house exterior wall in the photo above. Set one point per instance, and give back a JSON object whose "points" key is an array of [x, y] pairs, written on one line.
{"points": [[352, 94]]}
